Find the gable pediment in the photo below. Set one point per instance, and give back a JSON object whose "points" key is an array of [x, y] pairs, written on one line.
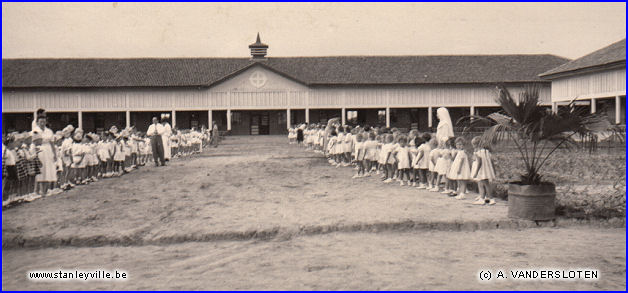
{"points": [[258, 78]]}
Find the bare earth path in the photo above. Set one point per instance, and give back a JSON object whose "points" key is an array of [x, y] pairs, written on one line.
{"points": [[291, 214]]}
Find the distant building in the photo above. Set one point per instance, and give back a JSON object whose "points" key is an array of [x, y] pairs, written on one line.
{"points": [[597, 80], [262, 95]]}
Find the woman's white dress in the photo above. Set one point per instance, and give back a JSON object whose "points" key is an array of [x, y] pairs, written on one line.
{"points": [[46, 157], [166, 141]]}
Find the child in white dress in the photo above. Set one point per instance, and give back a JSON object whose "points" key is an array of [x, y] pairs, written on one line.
{"points": [[347, 147], [433, 158], [442, 163], [331, 148], [388, 158], [118, 157], [79, 163], [460, 168], [403, 158], [360, 155], [421, 164], [482, 172], [370, 148]]}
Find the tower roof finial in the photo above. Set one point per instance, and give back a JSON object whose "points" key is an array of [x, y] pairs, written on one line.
{"points": [[258, 49]]}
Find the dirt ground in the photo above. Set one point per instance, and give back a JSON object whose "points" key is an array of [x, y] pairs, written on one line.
{"points": [[256, 213]]}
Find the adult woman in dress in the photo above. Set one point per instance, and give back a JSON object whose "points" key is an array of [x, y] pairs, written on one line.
{"points": [[166, 138], [43, 138]]}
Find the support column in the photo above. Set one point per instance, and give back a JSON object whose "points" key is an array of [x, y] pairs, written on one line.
{"points": [[429, 117], [128, 118], [228, 119], [472, 111], [593, 106], [288, 120], [387, 116], [210, 119], [554, 107], [173, 118], [307, 115], [344, 116], [617, 110], [80, 119]]}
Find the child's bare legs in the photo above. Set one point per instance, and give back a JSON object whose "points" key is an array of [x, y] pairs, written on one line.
{"points": [[462, 188], [390, 171]]}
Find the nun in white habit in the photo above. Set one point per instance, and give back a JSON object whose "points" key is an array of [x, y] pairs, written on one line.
{"points": [[445, 129]]}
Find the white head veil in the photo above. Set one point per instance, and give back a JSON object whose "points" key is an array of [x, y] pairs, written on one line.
{"points": [[445, 128]]}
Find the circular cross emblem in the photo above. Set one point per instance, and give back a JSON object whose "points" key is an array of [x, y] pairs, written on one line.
{"points": [[258, 79]]}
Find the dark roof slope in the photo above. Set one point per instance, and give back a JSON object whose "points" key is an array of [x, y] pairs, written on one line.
{"points": [[343, 70], [614, 54], [416, 69]]}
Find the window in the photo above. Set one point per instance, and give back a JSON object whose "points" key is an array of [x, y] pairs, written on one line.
{"points": [[236, 118], [282, 118]]}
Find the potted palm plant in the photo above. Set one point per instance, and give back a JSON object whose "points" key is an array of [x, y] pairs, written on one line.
{"points": [[536, 133]]}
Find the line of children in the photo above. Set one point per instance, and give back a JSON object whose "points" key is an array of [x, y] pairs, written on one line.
{"points": [[413, 159], [80, 159]]}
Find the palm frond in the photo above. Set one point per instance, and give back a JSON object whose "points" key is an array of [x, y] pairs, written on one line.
{"points": [[536, 132]]}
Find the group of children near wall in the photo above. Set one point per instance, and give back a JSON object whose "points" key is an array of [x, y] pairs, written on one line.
{"points": [[414, 159], [81, 158]]}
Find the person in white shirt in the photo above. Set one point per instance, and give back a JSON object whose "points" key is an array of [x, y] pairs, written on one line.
{"points": [[155, 132]]}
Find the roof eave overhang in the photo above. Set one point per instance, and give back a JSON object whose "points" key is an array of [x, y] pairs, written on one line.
{"points": [[586, 70]]}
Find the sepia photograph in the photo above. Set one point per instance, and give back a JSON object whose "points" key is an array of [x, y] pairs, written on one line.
{"points": [[314, 146]]}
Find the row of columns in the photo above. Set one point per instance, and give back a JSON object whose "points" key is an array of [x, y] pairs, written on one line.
{"points": [[128, 118], [344, 116], [594, 108]]}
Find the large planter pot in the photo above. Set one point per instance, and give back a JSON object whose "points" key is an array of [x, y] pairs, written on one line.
{"points": [[532, 202]]}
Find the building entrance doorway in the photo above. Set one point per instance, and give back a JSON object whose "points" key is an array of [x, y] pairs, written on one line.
{"points": [[260, 123]]}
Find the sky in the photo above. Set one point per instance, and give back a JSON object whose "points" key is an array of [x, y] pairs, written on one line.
{"points": [[126, 30]]}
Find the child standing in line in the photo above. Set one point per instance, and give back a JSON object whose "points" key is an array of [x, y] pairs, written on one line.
{"points": [[359, 158], [103, 156], [347, 146], [118, 157], [424, 162], [292, 135], [450, 185], [9, 169], [92, 157], [431, 163], [331, 148], [419, 157], [381, 160], [482, 172], [370, 156], [78, 158], [389, 159], [126, 145], [403, 159], [441, 165], [339, 146], [66, 157], [460, 168]]}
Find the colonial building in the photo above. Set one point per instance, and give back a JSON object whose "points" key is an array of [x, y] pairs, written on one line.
{"points": [[597, 80], [259, 94]]}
